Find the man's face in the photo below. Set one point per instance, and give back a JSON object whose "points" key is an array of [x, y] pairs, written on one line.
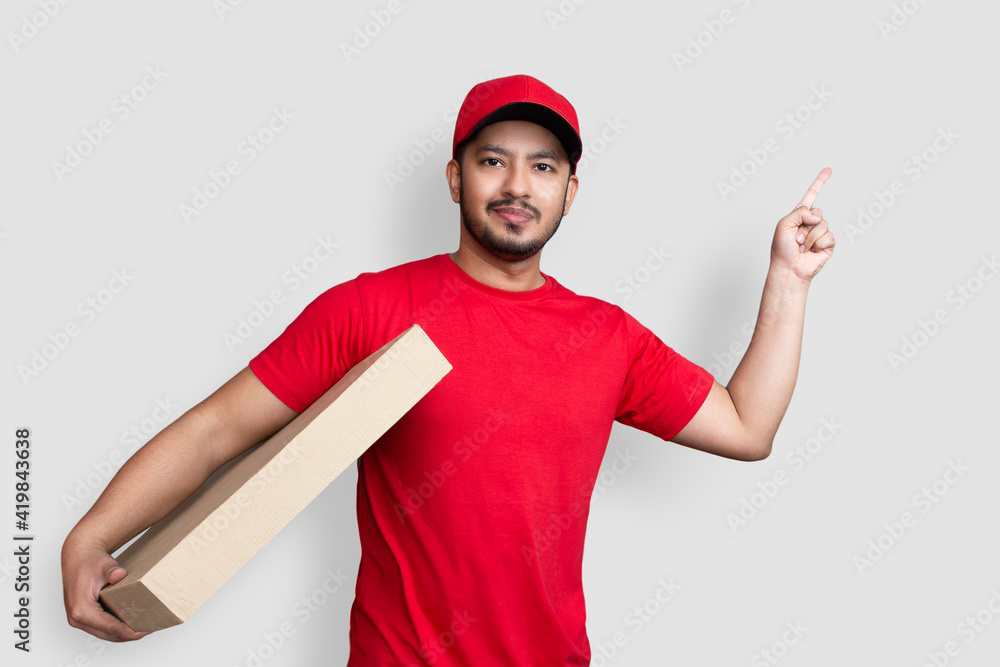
{"points": [[513, 187]]}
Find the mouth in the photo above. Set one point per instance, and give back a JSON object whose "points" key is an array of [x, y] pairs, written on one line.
{"points": [[514, 215]]}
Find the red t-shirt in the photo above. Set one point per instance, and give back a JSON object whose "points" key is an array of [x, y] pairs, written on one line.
{"points": [[472, 509]]}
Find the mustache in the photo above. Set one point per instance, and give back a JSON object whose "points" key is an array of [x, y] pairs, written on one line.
{"points": [[517, 203]]}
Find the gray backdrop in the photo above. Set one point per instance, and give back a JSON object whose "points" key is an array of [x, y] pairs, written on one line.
{"points": [[129, 258]]}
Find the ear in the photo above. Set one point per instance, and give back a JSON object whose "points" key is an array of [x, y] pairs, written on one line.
{"points": [[453, 173], [571, 188]]}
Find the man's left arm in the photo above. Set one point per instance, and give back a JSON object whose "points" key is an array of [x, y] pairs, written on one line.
{"points": [[739, 421]]}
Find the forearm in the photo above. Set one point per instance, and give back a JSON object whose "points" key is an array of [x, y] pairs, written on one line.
{"points": [[762, 384], [158, 478]]}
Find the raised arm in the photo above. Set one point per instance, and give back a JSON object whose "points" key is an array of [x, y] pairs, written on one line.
{"points": [[158, 478], [739, 421]]}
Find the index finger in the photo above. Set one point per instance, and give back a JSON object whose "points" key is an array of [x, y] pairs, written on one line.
{"points": [[814, 189]]}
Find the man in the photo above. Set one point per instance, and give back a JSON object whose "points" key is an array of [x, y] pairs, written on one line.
{"points": [[473, 572]]}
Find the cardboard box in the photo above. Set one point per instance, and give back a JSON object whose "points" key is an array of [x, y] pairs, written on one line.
{"points": [[179, 562]]}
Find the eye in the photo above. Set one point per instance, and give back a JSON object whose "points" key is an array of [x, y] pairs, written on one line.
{"points": [[545, 167], [492, 161]]}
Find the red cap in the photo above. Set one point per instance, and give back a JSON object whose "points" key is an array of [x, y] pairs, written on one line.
{"points": [[519, 97]]}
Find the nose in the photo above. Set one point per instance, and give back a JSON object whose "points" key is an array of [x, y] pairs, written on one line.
{"points": [[516, 182]]}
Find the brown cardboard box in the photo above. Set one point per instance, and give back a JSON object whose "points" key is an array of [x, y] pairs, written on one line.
{"points": [[176, 565]]}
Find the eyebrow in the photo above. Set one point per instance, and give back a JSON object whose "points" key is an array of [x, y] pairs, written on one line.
{"points": [[500, 150]]}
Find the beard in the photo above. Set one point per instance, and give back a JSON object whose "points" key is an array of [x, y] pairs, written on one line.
{"points": [[519, 242]]}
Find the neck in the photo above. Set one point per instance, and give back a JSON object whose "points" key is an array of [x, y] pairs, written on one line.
{"points": [[513, 276]]}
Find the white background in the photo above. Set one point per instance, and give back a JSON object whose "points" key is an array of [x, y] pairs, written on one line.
{"points": [[895, 77]]}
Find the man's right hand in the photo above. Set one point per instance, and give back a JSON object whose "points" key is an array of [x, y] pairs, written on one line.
{"points": [[152, 483], [86, 569]]}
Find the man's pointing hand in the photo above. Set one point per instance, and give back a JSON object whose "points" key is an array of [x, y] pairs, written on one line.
{"points": [[803, 242]]}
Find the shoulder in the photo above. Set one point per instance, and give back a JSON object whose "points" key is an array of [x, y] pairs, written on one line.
{"points": [[371, 282], [406, 273]]}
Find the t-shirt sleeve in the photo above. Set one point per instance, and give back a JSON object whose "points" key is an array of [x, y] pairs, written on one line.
{"points": [[662, 390], [316, 349]]}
